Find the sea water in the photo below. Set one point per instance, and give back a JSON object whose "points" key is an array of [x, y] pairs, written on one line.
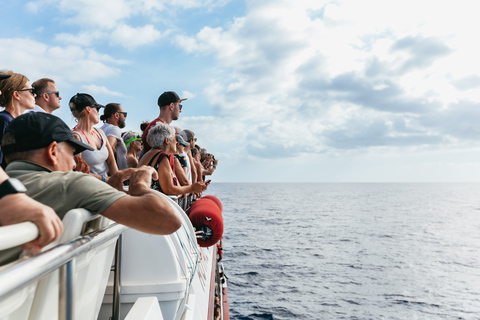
{"points": [[351, 251]]}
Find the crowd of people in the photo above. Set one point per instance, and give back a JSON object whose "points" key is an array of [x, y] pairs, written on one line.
{"points": [[50, 168]]}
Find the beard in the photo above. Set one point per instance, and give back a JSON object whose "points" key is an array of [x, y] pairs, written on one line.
{"points": [[121, 123]]}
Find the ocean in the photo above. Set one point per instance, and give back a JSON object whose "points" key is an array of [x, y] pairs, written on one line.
{"points": [[351, 250]]}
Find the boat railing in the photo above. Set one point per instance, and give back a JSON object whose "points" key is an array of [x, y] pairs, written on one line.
{"points": [[25, 272], [29, 271]]}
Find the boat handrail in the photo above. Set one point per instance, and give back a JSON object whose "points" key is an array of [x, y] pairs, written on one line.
{"points": [[18, 234], [25, 271]]}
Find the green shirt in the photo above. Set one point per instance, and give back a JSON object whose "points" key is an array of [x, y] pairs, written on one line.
{"points": [[61, 191]]}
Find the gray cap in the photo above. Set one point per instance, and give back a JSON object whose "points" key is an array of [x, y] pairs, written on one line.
{"points": [[181, 141]]}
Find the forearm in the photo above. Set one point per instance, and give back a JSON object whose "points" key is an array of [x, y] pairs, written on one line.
{"points": [[149, 213]]}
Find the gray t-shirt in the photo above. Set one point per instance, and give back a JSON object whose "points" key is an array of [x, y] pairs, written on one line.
{"points": [[62, 191], [120, 148]]}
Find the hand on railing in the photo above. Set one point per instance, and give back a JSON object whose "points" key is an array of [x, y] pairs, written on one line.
{"points": [[17, 208]]}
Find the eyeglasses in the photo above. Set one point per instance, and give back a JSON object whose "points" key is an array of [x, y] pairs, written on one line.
{"points": [[180, 105], [32, 91], [57, 93], [124, 113]]}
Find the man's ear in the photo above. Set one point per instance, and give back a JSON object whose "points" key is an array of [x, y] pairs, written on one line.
{"points": [[52, 153], [171, 106]]}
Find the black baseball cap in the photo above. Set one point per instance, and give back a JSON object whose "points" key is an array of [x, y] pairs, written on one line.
{"points": [[4, 76], [82, 100], [36, 130], [168, 97]]}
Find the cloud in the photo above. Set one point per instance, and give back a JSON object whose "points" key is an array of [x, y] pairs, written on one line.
{"points": [[338, 76], [130, 37], [94, 89], [64, 64]]}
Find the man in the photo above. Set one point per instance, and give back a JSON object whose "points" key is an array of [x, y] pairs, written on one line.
{"points": [[48, 97], [189, 137], [114, 117], [40, 149], [170, 108], [17, 207]]}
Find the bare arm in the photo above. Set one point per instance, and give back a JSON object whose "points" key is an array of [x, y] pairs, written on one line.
{"points": [[198, 168], [132, 161], [17, 208], [113, 142], [192, 166], [180, 173], [166, 183], [143, 209]]}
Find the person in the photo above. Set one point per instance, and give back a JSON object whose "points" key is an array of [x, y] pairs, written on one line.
{"points": [[17, 207], [162, 139], [182, 158], [48, 97], [133, 143], [196, 162], [180, 162], [17, 96], [189, 137], [209, 164], [114, 119], [86, 110], [170, 109], [40, 149]]}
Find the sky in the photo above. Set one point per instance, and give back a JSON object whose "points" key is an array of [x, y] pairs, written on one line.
{"points": [[278, 91]]}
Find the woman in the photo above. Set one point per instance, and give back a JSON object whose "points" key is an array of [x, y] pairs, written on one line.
{"points": [[86, 110], [161, 138], [133, 142], [181, 161], [17, 95]]}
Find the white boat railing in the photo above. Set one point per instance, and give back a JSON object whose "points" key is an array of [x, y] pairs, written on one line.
{"points": [[24, 272]]}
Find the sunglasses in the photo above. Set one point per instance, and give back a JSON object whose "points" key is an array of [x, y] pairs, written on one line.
{"points": [[57, 93], [96, 107], [32, 90], [124, 113], [180, 105]]}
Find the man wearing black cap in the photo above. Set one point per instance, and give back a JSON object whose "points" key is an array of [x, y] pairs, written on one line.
{"points": [[39, 149], [170, 108]]}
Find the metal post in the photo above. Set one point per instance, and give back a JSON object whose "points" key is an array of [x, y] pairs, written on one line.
{"points": [[65, 291], [117, 280]]}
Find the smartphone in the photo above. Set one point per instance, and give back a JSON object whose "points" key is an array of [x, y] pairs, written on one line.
{"points": [[207, 182]]}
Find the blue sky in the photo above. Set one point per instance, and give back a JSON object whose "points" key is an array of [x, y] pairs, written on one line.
{"points": [[279, 91]]}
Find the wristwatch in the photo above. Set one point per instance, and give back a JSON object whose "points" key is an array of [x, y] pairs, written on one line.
{"points": [[11, 186]]}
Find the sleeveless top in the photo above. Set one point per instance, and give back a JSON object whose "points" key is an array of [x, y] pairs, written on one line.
{"points": [[155, 184], [96, 159]]}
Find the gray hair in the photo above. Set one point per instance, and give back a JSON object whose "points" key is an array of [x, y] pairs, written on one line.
{"points": [[157, 135], [129, 135]]}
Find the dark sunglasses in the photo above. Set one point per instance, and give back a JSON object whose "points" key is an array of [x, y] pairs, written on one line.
{"points": [[32, 90], [57, 93], [180, 106], [97, 107], [124, 113]]}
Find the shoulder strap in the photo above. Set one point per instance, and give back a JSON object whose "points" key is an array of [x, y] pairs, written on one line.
{"points": [[153, 158]]}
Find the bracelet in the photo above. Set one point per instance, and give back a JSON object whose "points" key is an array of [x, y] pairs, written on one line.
{"points": [[104, 179]]}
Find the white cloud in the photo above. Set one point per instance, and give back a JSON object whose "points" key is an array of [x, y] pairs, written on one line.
{"points": [[345, 74], [130, 37], [64, 64], [94, 89]]}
